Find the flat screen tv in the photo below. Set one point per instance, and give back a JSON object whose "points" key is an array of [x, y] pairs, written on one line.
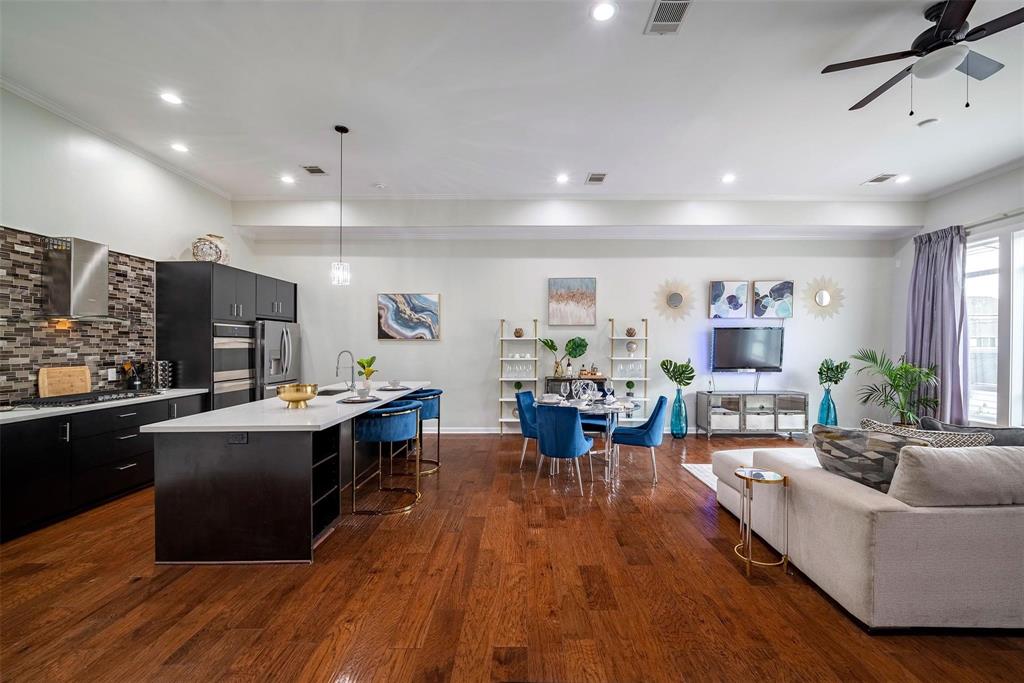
{"points": [[746, 349]]}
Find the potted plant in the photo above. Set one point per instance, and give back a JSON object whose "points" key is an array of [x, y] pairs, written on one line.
{"points": [[682, 375], [829, 374], [898, 390], [551, 346], [518, 386], [366, 369], [630, 385]]}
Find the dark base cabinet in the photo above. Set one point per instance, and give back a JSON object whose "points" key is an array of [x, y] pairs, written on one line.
{"points": [[52, 467]]}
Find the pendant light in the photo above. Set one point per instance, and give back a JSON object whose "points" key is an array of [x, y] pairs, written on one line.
{"points": [[341, 275]]}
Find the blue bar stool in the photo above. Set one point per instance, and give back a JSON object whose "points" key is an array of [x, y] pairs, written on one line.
{"points": [[527, 420], [397, 421], [431, 400], [560, 435]]}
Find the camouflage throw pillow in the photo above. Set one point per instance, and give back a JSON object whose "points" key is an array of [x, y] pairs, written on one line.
{"points": [[865, 457]]}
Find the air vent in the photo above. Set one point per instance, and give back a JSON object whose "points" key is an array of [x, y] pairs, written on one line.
{"points": [[666, 17], [879, 179], [315, 170], [596, 178]]}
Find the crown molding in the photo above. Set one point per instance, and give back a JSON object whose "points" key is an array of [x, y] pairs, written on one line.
{"points": [[994, 172], [57, 110]]}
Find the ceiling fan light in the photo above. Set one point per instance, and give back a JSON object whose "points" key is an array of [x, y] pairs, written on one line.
{"points": [[940, 62]]}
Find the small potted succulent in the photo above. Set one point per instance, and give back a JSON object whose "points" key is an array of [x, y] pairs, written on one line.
{"points": [[366, 369]]}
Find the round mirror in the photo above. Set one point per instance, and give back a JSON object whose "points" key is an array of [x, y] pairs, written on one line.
{"points": [[822, 297], [674, 300]]}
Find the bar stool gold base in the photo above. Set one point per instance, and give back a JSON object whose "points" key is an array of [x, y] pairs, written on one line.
{"points": [[396, 510]]}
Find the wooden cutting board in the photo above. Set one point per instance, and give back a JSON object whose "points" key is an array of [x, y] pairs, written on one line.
{"points": [[63, 381]]}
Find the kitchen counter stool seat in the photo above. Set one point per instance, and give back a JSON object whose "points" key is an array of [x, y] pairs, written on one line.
{"points": [[431, 410], [396, 422]]}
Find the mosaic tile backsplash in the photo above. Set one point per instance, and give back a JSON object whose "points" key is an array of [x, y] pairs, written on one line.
{"points": [[29, 341]]}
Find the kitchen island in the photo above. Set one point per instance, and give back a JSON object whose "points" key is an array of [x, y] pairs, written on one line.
{"points": [[257, 482]]}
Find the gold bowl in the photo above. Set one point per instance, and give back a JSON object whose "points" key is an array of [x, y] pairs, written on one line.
{"points": [[296, 395]]}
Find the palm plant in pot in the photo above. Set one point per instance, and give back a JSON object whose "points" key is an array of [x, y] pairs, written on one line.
{"points": [[682, 375], [898, 392], [830, 373]]}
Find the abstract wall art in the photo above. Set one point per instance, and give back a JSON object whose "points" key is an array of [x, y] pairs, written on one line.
{"points": [[409, 316], [773, 299], [572, 301], [728, 299]]}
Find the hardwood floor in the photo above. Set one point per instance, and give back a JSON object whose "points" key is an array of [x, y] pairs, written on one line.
{"points": [[487, 579]]}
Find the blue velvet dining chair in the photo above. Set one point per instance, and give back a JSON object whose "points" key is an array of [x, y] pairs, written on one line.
{"points": [[560, 435], [647, 435], [527, 420]]}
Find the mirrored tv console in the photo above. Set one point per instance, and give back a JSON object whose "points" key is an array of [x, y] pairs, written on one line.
{"points": [[752, 412]]}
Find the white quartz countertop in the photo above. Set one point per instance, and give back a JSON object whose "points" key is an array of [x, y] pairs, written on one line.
{"points": [[24, 413], [273, 414]]}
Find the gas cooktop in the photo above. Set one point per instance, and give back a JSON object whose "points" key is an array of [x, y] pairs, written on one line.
{"points": [[71, 400]]}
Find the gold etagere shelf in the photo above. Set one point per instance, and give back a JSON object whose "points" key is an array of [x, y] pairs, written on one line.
{"points": [[506, 384], [619, 355]]}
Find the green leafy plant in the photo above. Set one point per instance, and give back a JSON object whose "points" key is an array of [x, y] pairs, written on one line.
{"points": [[367, 367], [575, 347], [681, 374], [518, 386], [551, 346], [900, 382], [831, 372], [630, 385]]}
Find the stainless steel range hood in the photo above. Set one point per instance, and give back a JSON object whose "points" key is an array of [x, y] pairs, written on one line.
{"points": [[75, 276]]}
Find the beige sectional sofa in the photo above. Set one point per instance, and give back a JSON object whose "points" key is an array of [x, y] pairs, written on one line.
{"points": [[890, 564]]}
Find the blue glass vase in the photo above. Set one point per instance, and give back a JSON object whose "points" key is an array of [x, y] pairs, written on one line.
{"points": [[827, 411], [679, 426]]}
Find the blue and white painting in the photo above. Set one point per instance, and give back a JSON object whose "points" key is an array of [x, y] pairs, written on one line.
{"points": [[773, 298], [728, 299], [572, 301], [409, 316]]}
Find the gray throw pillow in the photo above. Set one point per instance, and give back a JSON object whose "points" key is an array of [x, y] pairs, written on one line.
{"points": [[865, 457], [937, 439], [986, 475], [1001, 436]]}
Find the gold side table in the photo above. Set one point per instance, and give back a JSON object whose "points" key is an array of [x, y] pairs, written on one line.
{"points": [[745, 548]]}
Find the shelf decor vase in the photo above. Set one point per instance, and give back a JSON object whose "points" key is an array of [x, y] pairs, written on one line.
{"points": [[558, 372], [679, 419], [827, 411]]}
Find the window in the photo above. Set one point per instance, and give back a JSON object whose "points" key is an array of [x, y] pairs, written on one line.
{"points": [[1016, 388], [983, 330]]}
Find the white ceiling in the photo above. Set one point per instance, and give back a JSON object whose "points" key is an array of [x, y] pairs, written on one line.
{"points": [[492, 99]]}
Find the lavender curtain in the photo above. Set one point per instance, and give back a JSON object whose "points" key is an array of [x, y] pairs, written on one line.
{"points": [[937, 317]]}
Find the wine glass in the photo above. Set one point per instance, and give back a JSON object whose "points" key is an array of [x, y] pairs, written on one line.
{"points": [[564, 390], [609, 387]]}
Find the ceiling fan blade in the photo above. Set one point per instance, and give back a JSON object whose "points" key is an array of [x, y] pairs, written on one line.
{"points": [[953, 16], [892, 56], [996, 25], [978, 66], [881, 89]]}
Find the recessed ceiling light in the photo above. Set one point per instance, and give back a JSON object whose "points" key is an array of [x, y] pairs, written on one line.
{"points": [[902, 179], [380, 186], [729, 178], [179, 147], [287, 180], [562, 178], [170, 98], [602, 11]]}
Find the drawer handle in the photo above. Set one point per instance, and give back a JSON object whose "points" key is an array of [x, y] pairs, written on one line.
{"points": [[122, 468], [130, 436], [128, 415]]}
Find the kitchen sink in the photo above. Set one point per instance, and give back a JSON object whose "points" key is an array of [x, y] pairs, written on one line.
{"points": [[331, 392]]}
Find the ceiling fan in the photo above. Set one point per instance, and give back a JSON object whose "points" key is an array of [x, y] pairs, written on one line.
{"points": [[939, 49]]}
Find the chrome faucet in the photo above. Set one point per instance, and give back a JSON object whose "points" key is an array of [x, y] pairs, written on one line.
{"points": [[351, 369]]}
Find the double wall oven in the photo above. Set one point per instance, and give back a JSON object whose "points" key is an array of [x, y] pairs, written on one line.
{"points": [[234, 364]]}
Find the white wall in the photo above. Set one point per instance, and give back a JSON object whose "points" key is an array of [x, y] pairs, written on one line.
{"points": [[57, 178], [483, 281]]}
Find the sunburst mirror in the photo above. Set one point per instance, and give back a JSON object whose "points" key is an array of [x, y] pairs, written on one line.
{"points": [[823, 297], [673, 300]]}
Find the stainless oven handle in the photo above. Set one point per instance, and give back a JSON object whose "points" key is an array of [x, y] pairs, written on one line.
{"points": [[126, 467], [233, 343], [237, 385], [129, 436]]}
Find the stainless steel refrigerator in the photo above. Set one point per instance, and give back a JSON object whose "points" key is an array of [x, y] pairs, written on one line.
{"points": [[278, 359]]}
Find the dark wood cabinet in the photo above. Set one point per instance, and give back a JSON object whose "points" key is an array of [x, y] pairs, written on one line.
{"points": [[234, 294], [51, 467], [275, 299], [35, 473]]}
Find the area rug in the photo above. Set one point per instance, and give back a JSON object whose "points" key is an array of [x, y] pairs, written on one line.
{"points": [[704, 473]]}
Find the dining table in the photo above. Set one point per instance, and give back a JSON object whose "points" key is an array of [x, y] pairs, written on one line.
{"points": [[607, 410]]}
